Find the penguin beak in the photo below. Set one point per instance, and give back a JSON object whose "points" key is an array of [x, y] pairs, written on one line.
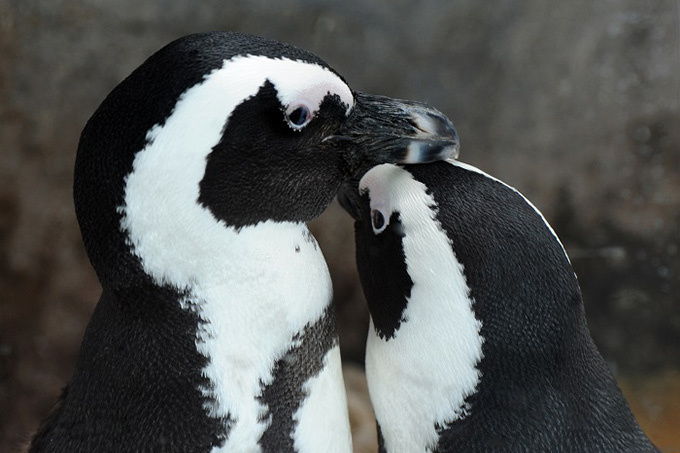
{"points": [[386, 130]]}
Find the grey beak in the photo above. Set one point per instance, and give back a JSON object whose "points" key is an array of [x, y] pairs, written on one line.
{"points": [[386, 130]]}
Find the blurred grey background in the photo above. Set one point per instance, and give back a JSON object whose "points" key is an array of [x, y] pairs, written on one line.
{"points": [[577, 104]]}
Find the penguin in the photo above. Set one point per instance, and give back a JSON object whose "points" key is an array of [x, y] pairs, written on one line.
{"points": [[478, 339], [193, 183]]}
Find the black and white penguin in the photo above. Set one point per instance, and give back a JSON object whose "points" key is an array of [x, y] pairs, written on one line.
{"points": [[478, 339], [193, 182]]}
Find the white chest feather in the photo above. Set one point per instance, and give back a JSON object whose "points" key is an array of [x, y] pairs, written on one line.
{"points": [[256, 288], [252, 317], [420, 378]]}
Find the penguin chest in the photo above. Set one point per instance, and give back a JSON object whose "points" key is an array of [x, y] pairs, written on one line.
{"points": [[269, 335]]}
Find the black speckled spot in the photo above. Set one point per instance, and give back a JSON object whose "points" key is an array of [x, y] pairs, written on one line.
{"points": [[309, 238]]}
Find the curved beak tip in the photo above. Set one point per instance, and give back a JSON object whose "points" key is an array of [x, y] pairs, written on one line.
{"points": [[429, 150]]}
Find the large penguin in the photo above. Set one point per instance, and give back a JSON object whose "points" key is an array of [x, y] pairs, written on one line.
{"points": [[478, 339], [193, 182]]}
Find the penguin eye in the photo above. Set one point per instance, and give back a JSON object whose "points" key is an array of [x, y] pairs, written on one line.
{"points": [[378, 221], [298, 116]]}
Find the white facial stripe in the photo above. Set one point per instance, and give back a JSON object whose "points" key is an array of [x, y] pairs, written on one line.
{"points": [[422, 376], [296, 82], [477, 170], [254, 288], [379, 180]]}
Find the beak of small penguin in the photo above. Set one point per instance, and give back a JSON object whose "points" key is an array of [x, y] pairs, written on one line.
{"points": [[385, 130]]}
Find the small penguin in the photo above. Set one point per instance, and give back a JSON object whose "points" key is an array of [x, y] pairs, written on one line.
{"points": [[193, 181], [478, 339]]}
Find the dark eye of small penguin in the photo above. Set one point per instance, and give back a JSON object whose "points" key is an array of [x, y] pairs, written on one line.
{"points": [[298, 116], [378, 221]]}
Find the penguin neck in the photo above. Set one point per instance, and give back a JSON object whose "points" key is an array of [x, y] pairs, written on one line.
{"points": [[262, 296], [419, 379], [255, 306]]}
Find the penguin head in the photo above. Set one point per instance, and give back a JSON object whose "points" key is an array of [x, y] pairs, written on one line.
{"points": [[506, 262], [231, 131]]}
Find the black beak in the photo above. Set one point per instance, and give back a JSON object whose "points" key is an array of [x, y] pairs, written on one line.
{"points": [[385, 130]]}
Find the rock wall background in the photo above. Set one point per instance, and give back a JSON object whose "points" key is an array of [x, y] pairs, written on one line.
{"points": [[574, 103]]}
